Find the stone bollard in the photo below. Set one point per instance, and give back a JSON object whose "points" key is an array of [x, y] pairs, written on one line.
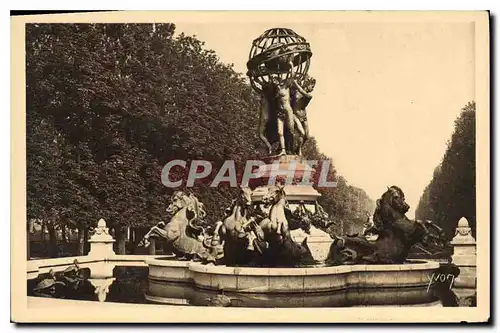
{"points": [[152, 246], [464, 256], [101, 243]]}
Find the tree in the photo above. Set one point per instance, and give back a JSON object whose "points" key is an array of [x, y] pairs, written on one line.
{"points": [[451, 194]]}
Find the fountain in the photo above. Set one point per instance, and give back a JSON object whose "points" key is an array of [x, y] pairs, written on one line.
{"points": [[271, 243]]}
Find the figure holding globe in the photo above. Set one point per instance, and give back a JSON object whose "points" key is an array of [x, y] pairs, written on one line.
{"points": [[301, 96], [278, 58], [277, 92]]}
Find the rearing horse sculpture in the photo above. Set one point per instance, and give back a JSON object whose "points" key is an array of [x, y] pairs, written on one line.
{"points": [[276, 224], [281, 251], [186, 209], [396, 235], [236, 230]]}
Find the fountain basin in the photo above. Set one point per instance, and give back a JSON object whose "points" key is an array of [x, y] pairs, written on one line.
{"points": [[383, 282], [172, 293]]}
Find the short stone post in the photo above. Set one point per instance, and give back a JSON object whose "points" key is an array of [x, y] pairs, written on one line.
{"points": [[101, 243], [464, 256], [152, 246]]}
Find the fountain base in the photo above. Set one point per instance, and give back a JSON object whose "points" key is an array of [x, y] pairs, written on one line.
{"points": [[349, 285]]}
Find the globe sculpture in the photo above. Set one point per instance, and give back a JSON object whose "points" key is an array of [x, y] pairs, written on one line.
{"points": [[269, 55]]}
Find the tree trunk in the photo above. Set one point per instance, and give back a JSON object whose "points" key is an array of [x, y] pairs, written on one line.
{"points": [[42, 235], [81, 241], [53, 250], [86, 244], [63, 234], [44, 242], [133, 240], [28, 242], [120, 234]]}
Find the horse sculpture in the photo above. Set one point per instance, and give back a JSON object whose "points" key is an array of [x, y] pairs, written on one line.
{"points": [[182, 231], [237, 230], [276, 225], [281, 250], [247, 235], [396, 235], [300, 218]]}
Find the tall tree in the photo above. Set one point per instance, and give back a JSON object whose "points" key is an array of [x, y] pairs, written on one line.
{"points": [[451, 194]]}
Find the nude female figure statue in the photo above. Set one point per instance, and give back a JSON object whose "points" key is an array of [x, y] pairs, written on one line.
{"points": [[300, 99], [276, 98]]}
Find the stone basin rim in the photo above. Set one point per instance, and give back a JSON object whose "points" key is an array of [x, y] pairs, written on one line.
{"points": [[412, 265]]}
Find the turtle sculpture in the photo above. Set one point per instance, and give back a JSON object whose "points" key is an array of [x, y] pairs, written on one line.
{"points": [[221, 300], [73, 275], [47, 287], [61, 284]]}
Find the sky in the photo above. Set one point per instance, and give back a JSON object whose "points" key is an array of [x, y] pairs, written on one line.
{"points": [[386, 94]]}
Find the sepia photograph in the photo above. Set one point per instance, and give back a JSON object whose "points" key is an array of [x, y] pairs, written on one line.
{"points": [[250, 167]]}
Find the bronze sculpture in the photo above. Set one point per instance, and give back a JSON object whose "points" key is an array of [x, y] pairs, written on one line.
{"points": [[213, 243], [47, 287], [65, 284], [257, 232], [236, 231], [276, 224], [247, 236], [254, 237], [277, 59], [276, 112], [280, 249], [396, 235], [301, 96], [182, 230], [250, 236]]}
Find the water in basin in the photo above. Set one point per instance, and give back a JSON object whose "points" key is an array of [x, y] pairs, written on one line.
{"points": [[130, 284]]}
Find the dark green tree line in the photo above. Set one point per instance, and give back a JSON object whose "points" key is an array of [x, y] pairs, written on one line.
{"points": [[451, 194]]}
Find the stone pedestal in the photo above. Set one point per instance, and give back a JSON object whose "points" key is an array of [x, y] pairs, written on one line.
{"points": [[319, 242], [152, 246], [464, 256], [101, 243], [281, 169]]}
